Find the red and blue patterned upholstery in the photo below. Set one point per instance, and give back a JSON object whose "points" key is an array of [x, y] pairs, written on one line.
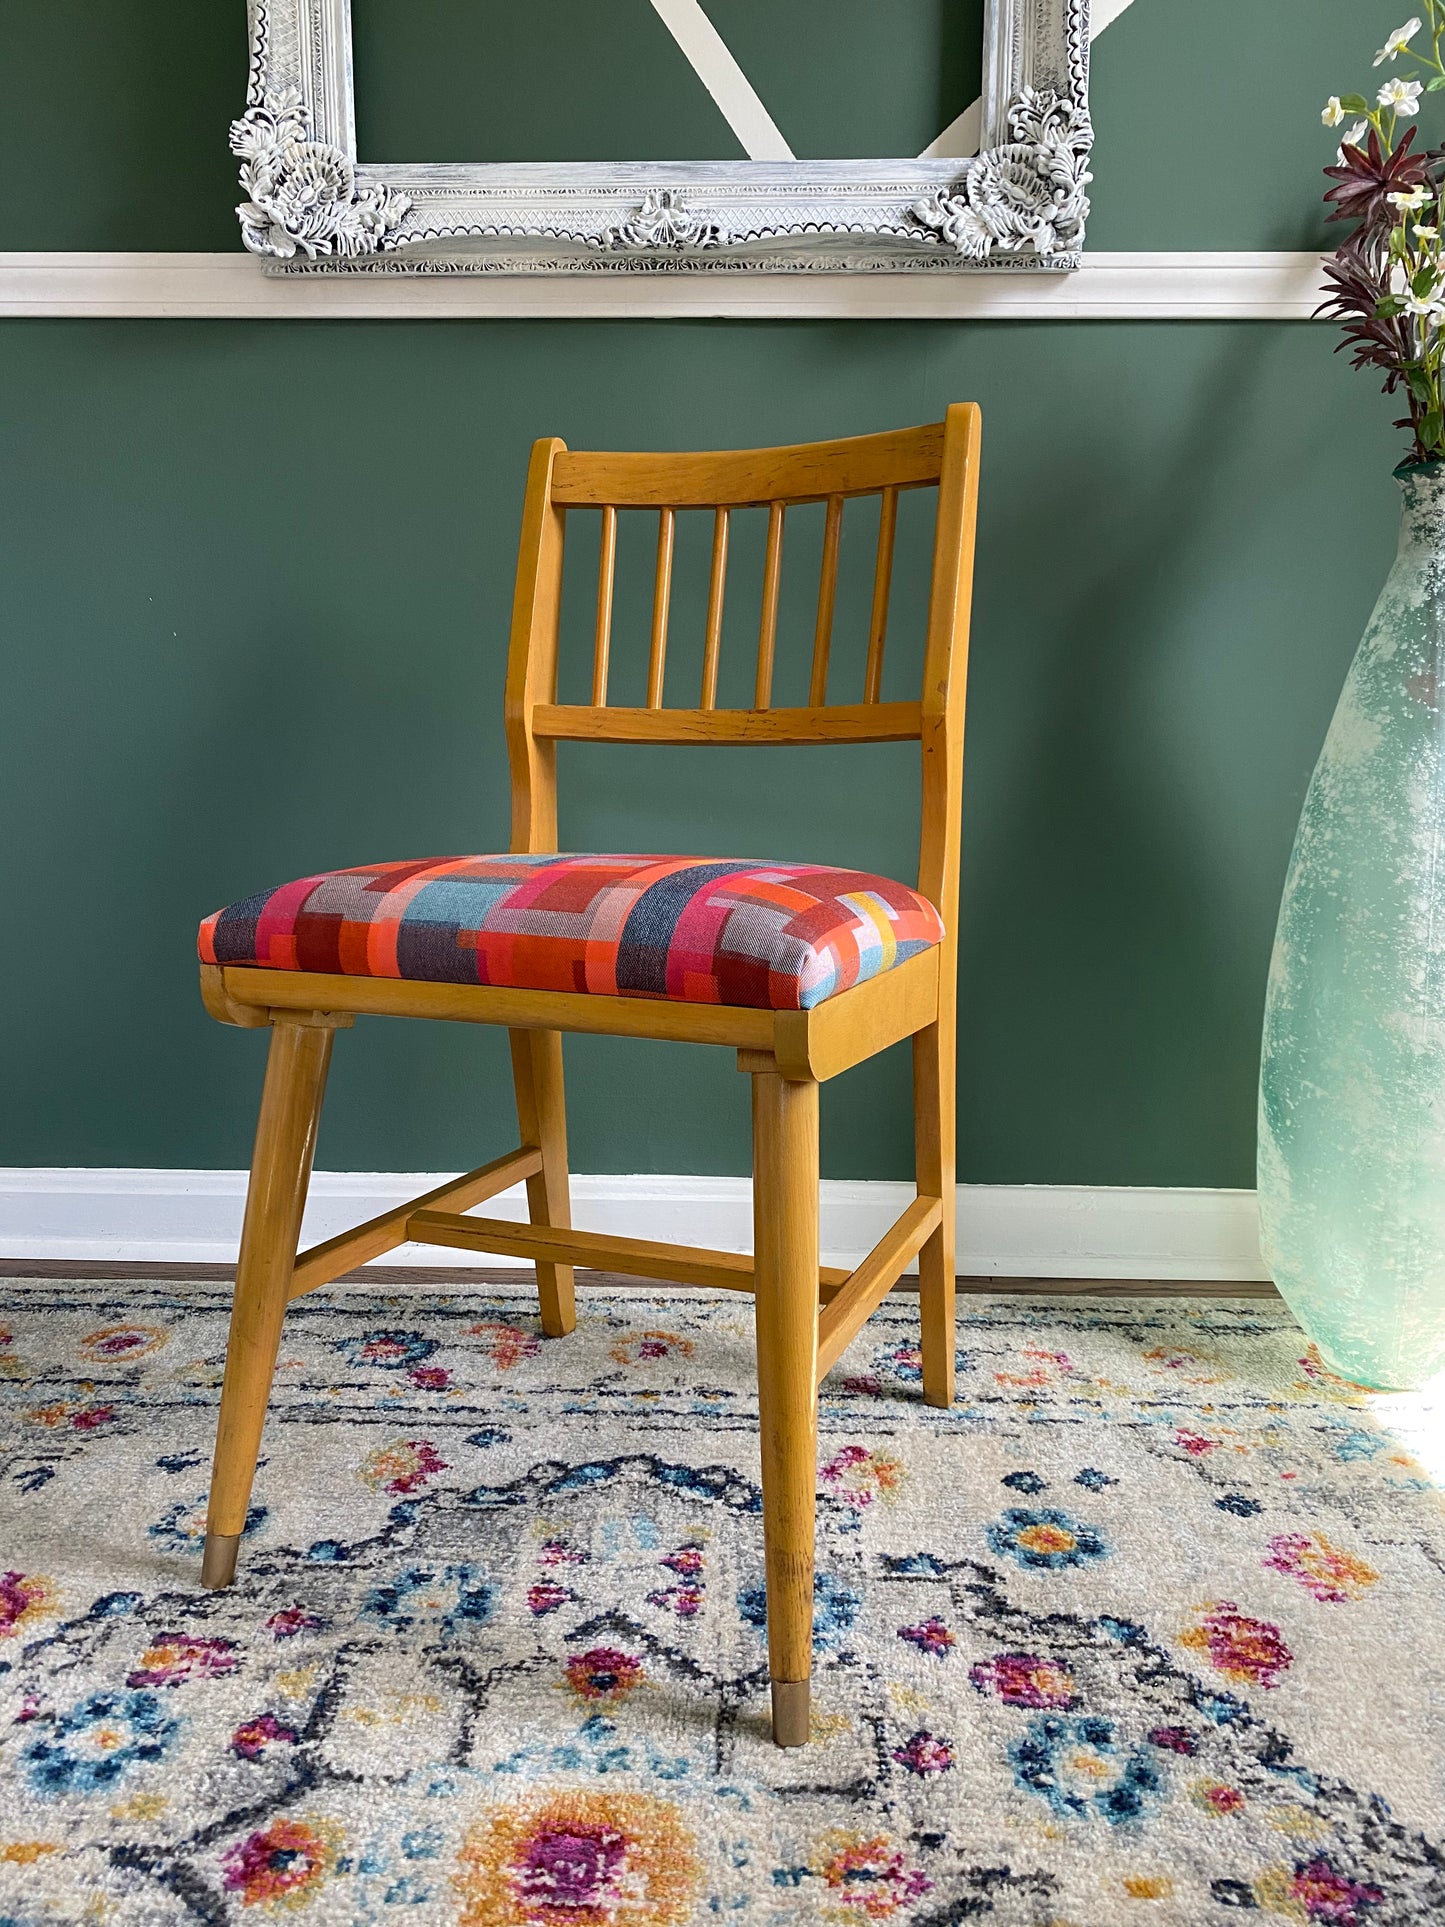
{"points": [[776, 936]]}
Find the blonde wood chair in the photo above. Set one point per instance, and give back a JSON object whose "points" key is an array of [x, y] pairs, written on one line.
{"points": [[805, 1315]]}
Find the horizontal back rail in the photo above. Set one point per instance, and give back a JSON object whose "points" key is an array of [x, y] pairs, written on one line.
{"points": [[837, 723], [749, 477]]}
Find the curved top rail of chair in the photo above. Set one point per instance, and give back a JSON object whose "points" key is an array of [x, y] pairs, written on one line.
{"points": [[750, 477]]}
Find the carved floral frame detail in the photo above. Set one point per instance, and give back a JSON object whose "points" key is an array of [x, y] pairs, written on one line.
{"points": [[311, 206]]}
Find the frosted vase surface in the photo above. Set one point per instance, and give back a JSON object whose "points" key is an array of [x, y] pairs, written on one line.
{"points": [[1352, 1087]]}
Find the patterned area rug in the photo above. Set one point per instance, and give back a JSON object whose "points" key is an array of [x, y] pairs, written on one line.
{"points": [[1150, 1627]]}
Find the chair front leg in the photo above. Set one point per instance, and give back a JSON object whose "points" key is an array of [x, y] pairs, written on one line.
{"points": [[785, 1247], [933, 1140], [542, 1116], [296, 1067]]}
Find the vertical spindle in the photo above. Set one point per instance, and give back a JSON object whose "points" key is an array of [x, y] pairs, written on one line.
{"points": [[827, 596], [882, 582], [712, 644], [768, 631], [606, 575], [661, 597]]}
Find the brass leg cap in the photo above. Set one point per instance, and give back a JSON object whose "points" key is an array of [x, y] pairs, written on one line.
{"points": [[790, 1712], [218, 1562]]}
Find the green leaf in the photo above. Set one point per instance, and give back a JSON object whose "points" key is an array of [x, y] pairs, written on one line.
{"points": [[1431, 429], [1355, 103], [1431, 87], [1419, 383], [1422, 282], [1389, 307]]}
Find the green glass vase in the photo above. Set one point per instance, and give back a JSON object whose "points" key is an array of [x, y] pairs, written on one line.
{"points": [[1352, 1081]]}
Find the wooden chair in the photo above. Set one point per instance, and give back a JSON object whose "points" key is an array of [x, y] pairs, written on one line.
{"points": [[805, 1316]]}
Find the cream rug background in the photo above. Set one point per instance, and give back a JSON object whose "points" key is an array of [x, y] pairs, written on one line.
{"points": [[1150, 1626]]}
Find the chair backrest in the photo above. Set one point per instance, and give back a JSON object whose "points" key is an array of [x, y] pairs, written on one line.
{"points": [[942, 456]]}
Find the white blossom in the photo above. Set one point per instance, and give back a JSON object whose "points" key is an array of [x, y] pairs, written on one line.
{"points": [[1402, 95], [1331, 114], [1411, 200], [1351, 137], [1428, 308], [1425, 233], [1398, 40]]}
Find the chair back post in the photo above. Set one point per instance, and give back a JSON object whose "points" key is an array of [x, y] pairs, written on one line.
{"points": [[945, 669], [532, 656]]}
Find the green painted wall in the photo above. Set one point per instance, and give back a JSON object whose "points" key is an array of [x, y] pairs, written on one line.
{"points": [[254, 581]]}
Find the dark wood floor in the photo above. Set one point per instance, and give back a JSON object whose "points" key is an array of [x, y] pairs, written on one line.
{"points": [[455, 1277]]}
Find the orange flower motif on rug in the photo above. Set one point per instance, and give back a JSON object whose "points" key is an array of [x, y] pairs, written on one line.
{"points": [[1249, 1650], [859, 1476], [25, 1599], [867, 1877], [1322, 1569], [578, 1858], [646, 1348]]}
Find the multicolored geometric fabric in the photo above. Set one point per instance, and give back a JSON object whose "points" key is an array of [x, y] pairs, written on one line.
{"points": [[775, 936]]}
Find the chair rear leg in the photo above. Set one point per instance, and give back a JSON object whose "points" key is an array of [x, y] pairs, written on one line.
{"points": [[296, 1069], [542, 1115], [785, 1246], [933, 1139]]}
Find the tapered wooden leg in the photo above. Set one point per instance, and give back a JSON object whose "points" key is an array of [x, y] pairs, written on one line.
{"points": [[542, 1115], [933, 1138], [785, 1246], [280, 1172]]}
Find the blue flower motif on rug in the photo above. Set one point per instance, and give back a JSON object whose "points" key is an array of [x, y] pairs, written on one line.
{"points": [[445, 1597], [1079, 1767], [835, 1608], [391, 1351], [98, 1740], [1045, 1540], [182, 1527]]}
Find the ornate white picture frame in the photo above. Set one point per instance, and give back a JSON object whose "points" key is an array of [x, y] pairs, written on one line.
{"points": [[311, 206]]}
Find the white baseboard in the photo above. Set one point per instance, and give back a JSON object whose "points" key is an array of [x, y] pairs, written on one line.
{"points": [[1109, 286], [1004, 1230]]}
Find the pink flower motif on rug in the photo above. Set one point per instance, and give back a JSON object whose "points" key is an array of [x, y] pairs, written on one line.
{"points": [[579, 1858], [251, 1739], [868, 1875], [280, 1864], [505, 1345], [557, 1552], [1250, 1650], [604, 1673], [177, 1657], [290, 1621], [78, 1418], [1215, 1798], [25, 1598], [1322, 1569], [406, 1465], [859, 1476], [111, 1342], [545, 1596], [1326, 1894], [1040, 1368], [1023, 1679], [925, 1755], [646, 1348], [686, 1596], [932, 1636], [1318, 1892]]}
